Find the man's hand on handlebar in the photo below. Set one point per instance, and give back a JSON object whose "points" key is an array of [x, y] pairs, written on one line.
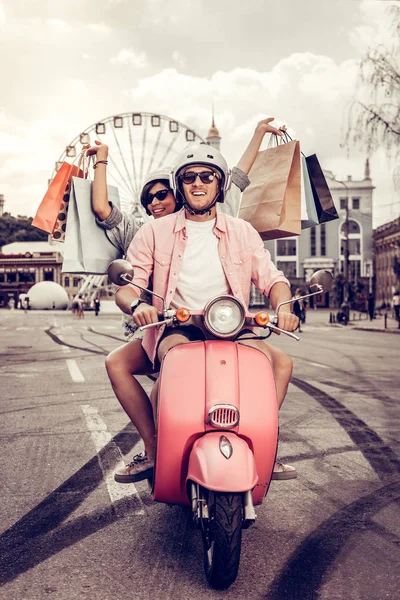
{"points": [[287, 321], [145, 314]]}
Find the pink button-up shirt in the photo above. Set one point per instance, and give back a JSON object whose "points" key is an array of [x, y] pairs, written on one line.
{"points": [[158, 248]]}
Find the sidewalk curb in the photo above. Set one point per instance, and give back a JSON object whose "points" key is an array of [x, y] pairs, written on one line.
{"points": [[393, 331]]}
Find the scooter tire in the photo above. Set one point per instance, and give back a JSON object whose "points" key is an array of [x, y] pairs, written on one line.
{"points": [[222, 545]]}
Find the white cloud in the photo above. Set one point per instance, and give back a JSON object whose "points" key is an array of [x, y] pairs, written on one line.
{"points": [[131, 58], [59, 25], [178, 59], [99, 28]]}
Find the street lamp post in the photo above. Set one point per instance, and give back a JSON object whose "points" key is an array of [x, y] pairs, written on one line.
{"points": [[345, 306]]}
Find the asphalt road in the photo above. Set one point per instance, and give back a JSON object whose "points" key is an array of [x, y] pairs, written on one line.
{"points": [[70, 532]]}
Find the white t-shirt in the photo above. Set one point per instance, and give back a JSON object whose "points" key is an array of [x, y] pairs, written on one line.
{"points": [[201, 277]]}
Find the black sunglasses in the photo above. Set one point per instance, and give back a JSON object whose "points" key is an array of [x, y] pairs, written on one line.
{"points": [[160, 195], [190, 177]]}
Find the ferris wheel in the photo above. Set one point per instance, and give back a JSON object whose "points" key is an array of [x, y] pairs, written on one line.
{"points": [[139, 143]]}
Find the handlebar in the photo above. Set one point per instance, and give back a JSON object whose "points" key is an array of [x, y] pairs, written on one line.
{"points": [[276, 329]]}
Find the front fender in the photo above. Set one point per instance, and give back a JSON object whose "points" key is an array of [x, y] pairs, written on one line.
{"points": [[209, 468]]}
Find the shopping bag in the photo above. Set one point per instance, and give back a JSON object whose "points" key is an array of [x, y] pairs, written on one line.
{"points": [[87, 248], [309, 216], [324, 204], [272, 201], [56, 198], [61, 222]]}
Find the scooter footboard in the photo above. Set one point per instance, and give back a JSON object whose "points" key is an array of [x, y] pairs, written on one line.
{"points": [[210, 468]]}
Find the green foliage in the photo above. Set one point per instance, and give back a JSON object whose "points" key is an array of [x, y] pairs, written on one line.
{"points": [[19, 229]]}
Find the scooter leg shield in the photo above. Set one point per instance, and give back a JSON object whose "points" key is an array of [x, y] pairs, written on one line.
{"points": [[210, 467]]}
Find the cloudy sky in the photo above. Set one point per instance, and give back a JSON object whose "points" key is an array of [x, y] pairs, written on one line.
{"points": [[66, 64]]}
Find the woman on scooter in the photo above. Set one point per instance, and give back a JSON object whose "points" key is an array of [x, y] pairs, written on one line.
{"points": [[141, 465]]}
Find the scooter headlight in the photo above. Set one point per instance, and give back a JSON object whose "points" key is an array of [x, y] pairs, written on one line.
{"points": [[224, 316]]}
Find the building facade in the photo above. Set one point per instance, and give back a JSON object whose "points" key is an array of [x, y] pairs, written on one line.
{"points": [[387, 255], [22, 264]]}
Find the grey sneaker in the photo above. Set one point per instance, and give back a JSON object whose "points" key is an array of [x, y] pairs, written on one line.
{"points": [[282, 472], [140, 468]]}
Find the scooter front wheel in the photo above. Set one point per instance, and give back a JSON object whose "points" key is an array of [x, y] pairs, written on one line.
{"points": [[222, 537]]}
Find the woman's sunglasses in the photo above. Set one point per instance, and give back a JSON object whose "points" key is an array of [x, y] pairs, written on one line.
{"points": [[160, 195], [190, 177]]}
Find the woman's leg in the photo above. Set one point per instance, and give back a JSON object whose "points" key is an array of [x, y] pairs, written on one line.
{"points": [[121, 364]]}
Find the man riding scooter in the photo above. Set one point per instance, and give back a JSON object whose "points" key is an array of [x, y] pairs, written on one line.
{"points": [[193, 256]]}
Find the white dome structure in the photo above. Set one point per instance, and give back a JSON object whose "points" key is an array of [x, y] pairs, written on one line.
{"points": [[48, 295]]}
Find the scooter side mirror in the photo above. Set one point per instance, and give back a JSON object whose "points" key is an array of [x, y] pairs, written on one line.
{"points": [[321, 279], [120, 269]]}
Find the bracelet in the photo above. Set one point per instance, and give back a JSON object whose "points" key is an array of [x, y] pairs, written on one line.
{"points": [[100, 162]]}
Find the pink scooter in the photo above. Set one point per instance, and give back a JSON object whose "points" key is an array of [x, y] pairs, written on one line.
{"points": [[217, 432]]}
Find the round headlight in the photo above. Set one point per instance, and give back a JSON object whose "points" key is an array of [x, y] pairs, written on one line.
{"points": [[224, 316]]}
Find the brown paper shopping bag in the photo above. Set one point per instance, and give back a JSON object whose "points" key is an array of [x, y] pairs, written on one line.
{"points": [[53, 201], [272, 202]]}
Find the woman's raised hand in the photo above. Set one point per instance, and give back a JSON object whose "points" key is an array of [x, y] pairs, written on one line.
{"points": [[99, 149], [265, 127]]}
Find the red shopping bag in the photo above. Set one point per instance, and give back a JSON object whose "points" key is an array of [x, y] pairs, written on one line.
{"points": [[53, 201]]}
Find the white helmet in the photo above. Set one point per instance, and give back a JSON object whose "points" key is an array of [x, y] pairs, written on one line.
{"points": [[202, 154]]}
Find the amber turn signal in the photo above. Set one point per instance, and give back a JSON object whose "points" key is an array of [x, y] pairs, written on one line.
{"points": [[182, 315], [262, 318]]}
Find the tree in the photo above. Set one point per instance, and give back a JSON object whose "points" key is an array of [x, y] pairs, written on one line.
{"points": [[374, 115], [19, 229]]}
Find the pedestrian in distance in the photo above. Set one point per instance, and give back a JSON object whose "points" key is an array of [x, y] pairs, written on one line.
{"points": [[396, 306], [96, 303], [11, 303], [80, 312], [371, 306]]}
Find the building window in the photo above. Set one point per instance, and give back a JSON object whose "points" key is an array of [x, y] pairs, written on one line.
{"points": [[323, 239], [66, 281], [76, 281], [288, 268], [354, 246], [313, 247], [286, 247], [353, 227], [356, 203], [1, 277], [343, 203], [48, 275], [11, 277], [27, 277], [354, 270]]}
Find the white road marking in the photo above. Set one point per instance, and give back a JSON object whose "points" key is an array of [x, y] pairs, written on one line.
{"points": [[23, 328], [319, 365], [101, 437], [74, 371]]}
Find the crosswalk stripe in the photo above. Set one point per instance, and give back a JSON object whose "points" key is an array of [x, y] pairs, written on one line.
{"points": [[101, 437], [74, 371]]}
